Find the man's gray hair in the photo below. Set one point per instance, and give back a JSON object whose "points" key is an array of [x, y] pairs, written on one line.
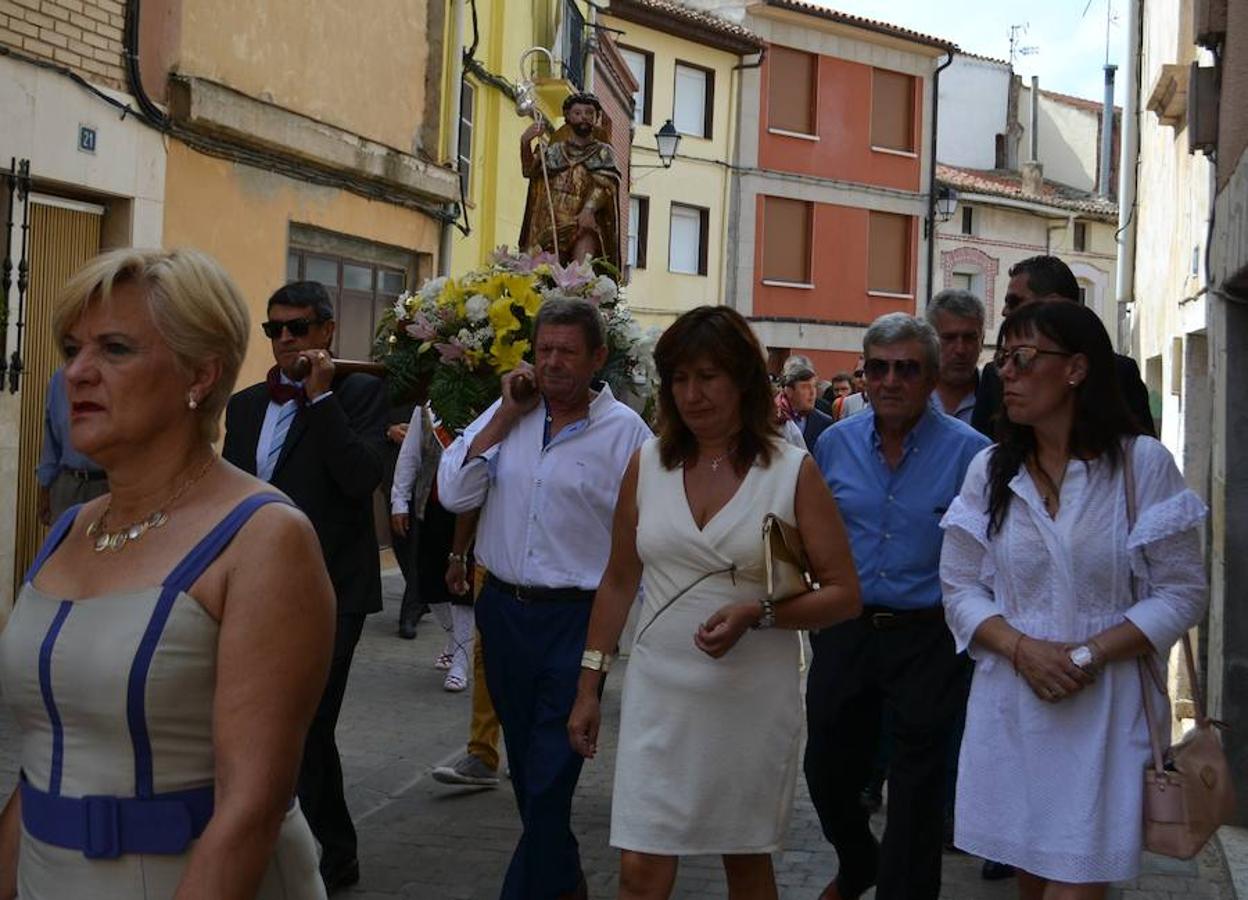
{"points": [[894, 328], [793, 374], [957, 302], [572, 311]]}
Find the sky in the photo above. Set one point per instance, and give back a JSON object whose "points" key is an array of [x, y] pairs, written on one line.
{"points": [[1069, 43]]}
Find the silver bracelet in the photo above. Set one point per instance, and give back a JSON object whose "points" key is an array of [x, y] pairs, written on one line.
{"points": [[768, 618]]}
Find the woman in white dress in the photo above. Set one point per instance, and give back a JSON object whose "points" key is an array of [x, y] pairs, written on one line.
{"points": [[1037, 566], [711, 720]]}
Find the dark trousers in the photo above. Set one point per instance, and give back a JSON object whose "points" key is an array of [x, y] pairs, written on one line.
{"points": [[404, 547], [320, 776], [905, 676], [532, 663]]}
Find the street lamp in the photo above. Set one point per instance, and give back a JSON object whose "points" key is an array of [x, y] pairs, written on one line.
{"points": [[946, 203], [668, 139]]}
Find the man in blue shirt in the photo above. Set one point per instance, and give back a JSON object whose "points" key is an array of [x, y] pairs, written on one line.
{"points": [[894, 471], [65, 476]]}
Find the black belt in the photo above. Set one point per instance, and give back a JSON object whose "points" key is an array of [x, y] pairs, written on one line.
{"points": [[539, 594], [881, 618], [86, 474]]}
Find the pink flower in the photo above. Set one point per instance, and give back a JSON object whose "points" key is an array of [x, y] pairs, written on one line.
{"points": [[573, 276], [449, 352], [421, 328]]}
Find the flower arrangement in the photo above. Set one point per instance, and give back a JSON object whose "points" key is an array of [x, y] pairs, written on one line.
{"points": [[454, 338]]}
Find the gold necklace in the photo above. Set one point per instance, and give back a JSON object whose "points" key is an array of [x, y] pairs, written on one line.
{"points": [[114, 541]]}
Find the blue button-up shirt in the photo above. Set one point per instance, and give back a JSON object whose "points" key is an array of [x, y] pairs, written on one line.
{"points": [[893, 515], [57, 452]]}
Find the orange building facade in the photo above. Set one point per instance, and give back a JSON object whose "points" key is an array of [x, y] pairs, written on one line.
{"points": [[832, 187]]}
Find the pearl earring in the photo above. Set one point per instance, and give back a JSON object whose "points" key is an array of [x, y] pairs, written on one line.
{"points": [[191, 402]]}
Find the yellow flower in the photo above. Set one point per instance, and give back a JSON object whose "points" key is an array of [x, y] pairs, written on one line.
{"points": [[502, 319], [473, 357], [520, 287], [454, 294], [505, 357]]}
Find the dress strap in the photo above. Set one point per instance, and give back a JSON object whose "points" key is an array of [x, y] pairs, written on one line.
{"points": [[55, 536], [183, 576]]}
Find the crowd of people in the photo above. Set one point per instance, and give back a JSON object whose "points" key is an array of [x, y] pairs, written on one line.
{"points": [[975, 594]]}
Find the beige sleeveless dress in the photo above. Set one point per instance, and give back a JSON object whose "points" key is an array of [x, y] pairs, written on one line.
{"points": [[113, 702], [708, 748]]}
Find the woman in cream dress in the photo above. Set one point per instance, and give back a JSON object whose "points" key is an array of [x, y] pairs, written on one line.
{"points": [[169, 644], [711, 720]]}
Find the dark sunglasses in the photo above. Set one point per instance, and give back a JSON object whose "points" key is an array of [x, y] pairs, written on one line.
{"points": [[857, 373], [1023, 357], [296, 327], [905, 369]]}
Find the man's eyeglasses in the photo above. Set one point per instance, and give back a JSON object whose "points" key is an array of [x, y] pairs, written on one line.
{"points": [[905, 369], [296, 327], [1023, 357], [857, 373]]}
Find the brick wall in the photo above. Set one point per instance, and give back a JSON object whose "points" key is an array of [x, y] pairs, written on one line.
{"points": [[84, 35]]}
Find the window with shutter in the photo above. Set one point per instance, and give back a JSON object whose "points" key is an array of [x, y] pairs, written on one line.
{"points": [[787, 228], [641, 65], [892, 110], [694, 100], [687, 247], [638, 229], [888, 254], [791, 91]]}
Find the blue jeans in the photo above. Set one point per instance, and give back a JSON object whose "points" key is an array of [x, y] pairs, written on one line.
{"points": [[532, 657]]}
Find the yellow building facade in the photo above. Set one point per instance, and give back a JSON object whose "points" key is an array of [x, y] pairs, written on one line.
{"points": [[679, 57], [481, 129]]}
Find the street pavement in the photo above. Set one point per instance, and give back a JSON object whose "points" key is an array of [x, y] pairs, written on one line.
{"points": [[420, 839]]}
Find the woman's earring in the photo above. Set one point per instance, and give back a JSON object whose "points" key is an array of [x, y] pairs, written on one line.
{"points": [[191, 402]]}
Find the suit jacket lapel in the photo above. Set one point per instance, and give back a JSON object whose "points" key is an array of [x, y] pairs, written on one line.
{"points": [[297, 429], [251, 423]]}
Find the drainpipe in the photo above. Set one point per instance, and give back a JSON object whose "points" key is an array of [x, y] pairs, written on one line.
{"points": [[732, 207], [1107, 131], [1033, 122], [1125, 276], [456, 83], [931, 178]]}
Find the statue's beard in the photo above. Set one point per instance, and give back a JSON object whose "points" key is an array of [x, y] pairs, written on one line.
{"points": [[583, 129]]}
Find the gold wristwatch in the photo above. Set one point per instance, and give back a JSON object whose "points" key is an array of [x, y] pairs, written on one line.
{"points": [[596, 661]]}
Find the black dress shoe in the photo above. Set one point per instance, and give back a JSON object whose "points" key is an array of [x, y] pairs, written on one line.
{"points": [[341, 876], [407, 630], [996, 871]]}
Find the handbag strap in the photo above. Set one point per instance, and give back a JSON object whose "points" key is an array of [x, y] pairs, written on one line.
{"points": [[730, 570], [1147, 672]]}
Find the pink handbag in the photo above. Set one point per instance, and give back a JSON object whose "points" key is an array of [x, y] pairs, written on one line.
{"points": [[1188, 792]]}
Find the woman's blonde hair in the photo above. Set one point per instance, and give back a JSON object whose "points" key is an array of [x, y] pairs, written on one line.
{"points": [[195, 305]]}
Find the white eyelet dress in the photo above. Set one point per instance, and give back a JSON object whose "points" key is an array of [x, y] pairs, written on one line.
{"points": [[1056, 789], [113, 696], [707, 758]]}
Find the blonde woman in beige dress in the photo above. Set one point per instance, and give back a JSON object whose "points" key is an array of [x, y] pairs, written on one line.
{"points": [[710, 726], [168, 647]]}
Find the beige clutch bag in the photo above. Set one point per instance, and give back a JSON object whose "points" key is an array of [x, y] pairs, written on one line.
{"points": [[786, 570]]}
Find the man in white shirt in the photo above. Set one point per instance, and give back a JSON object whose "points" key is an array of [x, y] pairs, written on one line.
{"points": [[545, 467]]}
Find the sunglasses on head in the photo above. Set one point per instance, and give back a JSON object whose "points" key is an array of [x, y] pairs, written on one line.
{"points": [[296, 327], [905, 369], [1023, 358]]}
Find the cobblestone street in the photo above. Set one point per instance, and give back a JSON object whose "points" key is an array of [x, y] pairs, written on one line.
{"points": [[419, 839]]}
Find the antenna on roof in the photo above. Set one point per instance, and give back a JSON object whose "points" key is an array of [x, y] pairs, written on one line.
{"points": [[1016, 32]]}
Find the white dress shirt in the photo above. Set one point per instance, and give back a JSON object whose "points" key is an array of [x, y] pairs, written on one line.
{"points": [[791, 433], [407, 465], [264, 466], [546, 511]]}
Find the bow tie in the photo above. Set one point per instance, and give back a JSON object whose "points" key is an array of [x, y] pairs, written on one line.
{"points": [[280, 392]]}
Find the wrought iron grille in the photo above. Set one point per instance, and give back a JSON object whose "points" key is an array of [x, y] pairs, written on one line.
{"points": [[572, 45], [17, 198]]}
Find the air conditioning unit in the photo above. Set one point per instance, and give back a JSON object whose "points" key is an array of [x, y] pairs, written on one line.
{"points": [[1209, 22], [1202, 109]]}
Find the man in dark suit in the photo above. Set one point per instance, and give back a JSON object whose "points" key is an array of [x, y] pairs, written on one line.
{"points": [[1048, 278], [320, 439], [801, 387]]}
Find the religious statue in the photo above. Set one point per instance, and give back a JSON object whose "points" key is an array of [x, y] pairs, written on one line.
{"points": [[574, 182]]}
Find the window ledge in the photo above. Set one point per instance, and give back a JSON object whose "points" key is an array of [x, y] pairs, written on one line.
{"points": [[782, 132], [908, 154], [888, 295], [800, 285], [690, 274]]}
